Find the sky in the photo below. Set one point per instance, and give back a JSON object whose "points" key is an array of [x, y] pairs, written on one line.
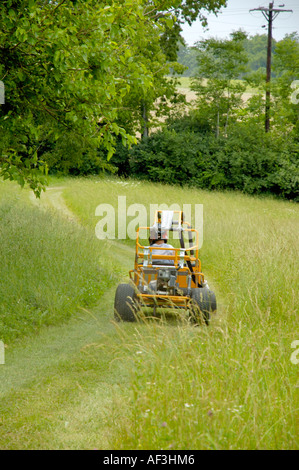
{"points": [[237, 15]]}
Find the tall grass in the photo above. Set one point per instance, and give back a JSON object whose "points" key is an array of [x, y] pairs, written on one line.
{"points": [[223, 388], [48, 267], [232, 385], [250, 247]]}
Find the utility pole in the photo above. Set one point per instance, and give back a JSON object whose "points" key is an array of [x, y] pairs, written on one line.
{"points": [[270, 14]]}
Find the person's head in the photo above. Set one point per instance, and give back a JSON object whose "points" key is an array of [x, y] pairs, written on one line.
{"points": [[157, 236]]}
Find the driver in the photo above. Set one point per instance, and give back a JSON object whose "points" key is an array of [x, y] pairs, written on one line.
{"points": [[157, 239]]}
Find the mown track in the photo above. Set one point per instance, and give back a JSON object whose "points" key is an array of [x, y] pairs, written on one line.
{"points": [[57, 389]]}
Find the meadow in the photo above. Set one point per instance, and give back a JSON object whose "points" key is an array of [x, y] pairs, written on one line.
{"points": [[45, 271], [184, 84], [161, 385]]}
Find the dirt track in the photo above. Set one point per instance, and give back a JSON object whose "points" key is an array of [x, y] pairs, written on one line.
{"points": [[53, 198]]}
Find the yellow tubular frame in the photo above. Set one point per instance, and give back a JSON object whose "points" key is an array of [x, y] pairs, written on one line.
{"points": [[179, 258]]}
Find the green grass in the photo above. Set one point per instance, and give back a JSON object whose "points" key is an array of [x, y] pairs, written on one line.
{"points": [[236, 376], [184, 82], [155, 385], [250, 250], [62, 389], [227, 388], [48, 267]]}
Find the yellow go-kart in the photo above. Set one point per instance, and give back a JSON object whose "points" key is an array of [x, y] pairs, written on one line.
{"points": [[165, 276]]}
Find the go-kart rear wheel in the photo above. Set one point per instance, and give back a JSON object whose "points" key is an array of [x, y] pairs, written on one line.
{"points": [[203, 302], [213, 301], [125, 307]]}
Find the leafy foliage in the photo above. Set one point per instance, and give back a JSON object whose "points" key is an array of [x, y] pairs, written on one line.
{"points": [[71, 67], [187, 56], [66, 69], [247, 160], [219, 63], [286, 66], [256, 49]]}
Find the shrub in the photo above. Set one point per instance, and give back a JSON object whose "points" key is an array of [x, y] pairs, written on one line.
{"points": [[247, 160], [72, 156]]}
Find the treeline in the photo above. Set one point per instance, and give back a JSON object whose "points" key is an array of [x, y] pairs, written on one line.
{"points": [[219, 141], [247, 159], [85, 72], [187, 153], [255, 47], [88, 83]]}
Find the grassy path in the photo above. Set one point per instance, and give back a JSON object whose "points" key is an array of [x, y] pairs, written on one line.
{"points": [[231, 386], [55, 394]]}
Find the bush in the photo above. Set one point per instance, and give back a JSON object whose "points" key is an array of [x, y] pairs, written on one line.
{"points": [[247, 160], [72, 156], [168, 156]]}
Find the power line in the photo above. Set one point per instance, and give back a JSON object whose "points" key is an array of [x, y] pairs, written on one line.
{"points": [[270, 14]]}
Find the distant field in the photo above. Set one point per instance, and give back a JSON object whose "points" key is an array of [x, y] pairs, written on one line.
{"points": [[185, 84], [88, 383]]}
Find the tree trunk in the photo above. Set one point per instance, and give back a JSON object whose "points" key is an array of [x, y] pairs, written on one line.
{"points": [[145, 121], [217, 125]]}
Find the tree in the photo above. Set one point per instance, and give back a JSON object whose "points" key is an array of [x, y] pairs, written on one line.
{"points": [[160, 45], [67, 67], [286, 66], [256, 48], [220, 64], [72, 69], [142, 106], [187, 56], [284, 110]]}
